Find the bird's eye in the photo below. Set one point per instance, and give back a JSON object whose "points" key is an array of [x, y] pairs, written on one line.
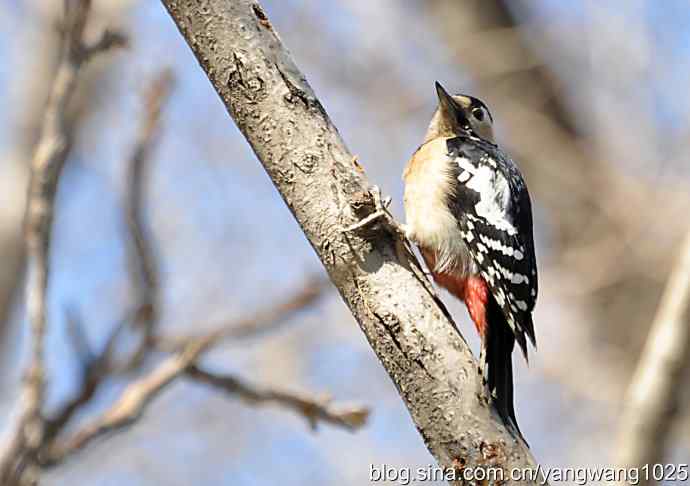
{"points": [[478, 114]]}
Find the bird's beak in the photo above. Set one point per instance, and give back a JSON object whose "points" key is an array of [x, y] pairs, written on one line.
{"points": [[450, 108], [444, 98]]}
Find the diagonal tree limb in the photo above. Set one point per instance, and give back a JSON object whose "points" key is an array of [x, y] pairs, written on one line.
{"points": [[302, 152], [653, 397], [18, 462]]}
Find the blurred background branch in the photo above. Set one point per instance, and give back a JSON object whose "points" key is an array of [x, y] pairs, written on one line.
{"points": [[313, 409], [20, 457], [653, 399], [97, 367], [136, 397], [141, 257]]}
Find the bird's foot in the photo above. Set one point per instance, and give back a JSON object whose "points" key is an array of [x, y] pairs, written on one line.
{"points": [[483, 392], [404, 247], [380, 213]]}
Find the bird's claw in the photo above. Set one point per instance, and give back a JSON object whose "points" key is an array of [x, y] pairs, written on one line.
{"points": [[484, 393], [381, 212]]}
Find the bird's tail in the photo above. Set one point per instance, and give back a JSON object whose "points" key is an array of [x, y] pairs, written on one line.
{"points": [[497, 351]]}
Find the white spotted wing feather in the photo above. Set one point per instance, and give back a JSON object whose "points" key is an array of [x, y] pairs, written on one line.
{"points": [[491, 204]]}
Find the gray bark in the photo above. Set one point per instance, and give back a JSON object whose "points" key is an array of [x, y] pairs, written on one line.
{"points": [[300, 149]]}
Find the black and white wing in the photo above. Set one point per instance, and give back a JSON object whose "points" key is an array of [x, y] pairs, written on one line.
{"points": [[492, 206]]}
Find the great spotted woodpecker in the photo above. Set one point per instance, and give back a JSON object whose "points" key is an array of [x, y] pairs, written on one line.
{"points": [[468, 210]]}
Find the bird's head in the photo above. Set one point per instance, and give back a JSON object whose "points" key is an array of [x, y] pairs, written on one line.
{"points": [[460, 114]]}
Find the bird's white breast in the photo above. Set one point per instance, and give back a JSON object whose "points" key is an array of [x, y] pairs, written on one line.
{"points": [[430, 223]]}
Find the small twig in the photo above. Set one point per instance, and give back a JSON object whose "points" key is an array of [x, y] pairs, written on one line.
{"points": [[380, 212], [653, 396], [18, 462], [94, 372], [142, 261], [141, 392], [78, 337], [143, 255], [129, 407], [313, 409], [96, 369], [403, 245], [108, 40]]}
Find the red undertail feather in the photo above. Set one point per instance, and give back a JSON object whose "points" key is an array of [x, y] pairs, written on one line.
{"points": [[472, 290], [476, 298]]}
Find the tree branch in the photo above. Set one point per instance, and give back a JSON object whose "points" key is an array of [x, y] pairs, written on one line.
{"points": [[302, 152], [314, 410], [653, 396], [136, 397], [131, 404], [18, 461], [142, 258], [96, 368]]}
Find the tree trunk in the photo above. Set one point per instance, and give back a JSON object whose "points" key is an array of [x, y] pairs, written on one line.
{"points": [[326, 190]]}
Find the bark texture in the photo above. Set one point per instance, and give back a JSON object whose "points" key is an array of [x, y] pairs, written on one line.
{"points": [[326, 190]]}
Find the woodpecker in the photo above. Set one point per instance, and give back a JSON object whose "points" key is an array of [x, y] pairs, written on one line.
{"points": [[468, 210]]}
